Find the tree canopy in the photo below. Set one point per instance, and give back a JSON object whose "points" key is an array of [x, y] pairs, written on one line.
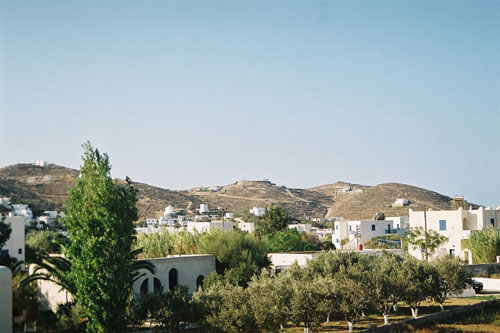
{"points": [[99, 218]]}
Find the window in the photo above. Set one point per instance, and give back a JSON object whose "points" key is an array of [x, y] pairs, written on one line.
{"points": [[350, 227], [492, 221], [389, 227], [452, 252], [337, 240], [20, 251], [144, 287], [373, 227], [157, 285], [442, 224], [336, 227], [398, 226], [172, 279], [199, 281]]}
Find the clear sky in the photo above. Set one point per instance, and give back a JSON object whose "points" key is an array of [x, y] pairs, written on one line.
{"points": [[189, 93]]}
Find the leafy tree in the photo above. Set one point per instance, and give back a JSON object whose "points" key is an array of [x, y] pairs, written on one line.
{"points": [[354, 286], [328, 264], [416, 239], [171, 311], [420, 281], [387, 288], [238, 255], [5, 231], [99, 219], [289, 240], [453, 278], [225, 308], [484, 245], [38, 242], [274, 219], [269, 300], [308, 293]]}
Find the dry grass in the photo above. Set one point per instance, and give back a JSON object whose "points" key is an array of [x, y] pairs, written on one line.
{"points": [[404, 312]]}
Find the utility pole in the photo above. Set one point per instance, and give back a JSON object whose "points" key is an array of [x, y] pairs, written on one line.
{"points": [[425, 234]]}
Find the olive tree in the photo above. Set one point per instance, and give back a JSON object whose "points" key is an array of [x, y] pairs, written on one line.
{"points": [[386, 279], [453, 278], [420, 280]]}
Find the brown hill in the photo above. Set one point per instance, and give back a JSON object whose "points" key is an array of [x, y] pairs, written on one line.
{"points": [[45, 188]]}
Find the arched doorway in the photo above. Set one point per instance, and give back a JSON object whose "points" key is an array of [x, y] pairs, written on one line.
{"points": [[199, 281], [157, 285], [144, 287], [172, 279]]}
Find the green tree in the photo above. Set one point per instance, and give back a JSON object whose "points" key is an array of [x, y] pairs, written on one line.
{"points": [[269, 299], [100, 215], [172, 311], [290, 240], [354, 286], [484, 245], [274, 219], [239, 256], [308, 293], [420, 280], [5, 231], [387, 288], [416, 239], [453, 278], [38, 242], [225, 308]]}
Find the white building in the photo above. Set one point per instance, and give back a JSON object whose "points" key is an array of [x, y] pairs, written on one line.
{"points": [[257, 211], [171, 271], [400, 202], [22, 210], [150, 222], [282, 261], [300, 227], [41, 163], [359, 232], [345, 189], [14, 247], [246, 226], [456, 225], [166, 221], [207, 226], [204, 209], [5, 202], [169, 211], [229, 215]]}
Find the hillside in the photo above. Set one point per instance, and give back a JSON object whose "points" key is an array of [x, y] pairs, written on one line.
{"points": [[45, 188]]}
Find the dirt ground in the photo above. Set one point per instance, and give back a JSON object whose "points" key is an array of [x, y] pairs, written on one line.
{"points": [[483, 323]]}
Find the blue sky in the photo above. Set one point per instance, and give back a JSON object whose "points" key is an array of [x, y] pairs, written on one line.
{"points": [[188, 93]]}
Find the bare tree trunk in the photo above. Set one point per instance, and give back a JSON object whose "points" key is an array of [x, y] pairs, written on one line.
{"points": [[386, 318], [351, 327], [441, 306], [395, 306], [414, 312]]}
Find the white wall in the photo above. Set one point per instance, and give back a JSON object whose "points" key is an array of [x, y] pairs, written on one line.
{"points": [[280, 261], [15, 244], [6, 300], [246, 226], [189, 268]]}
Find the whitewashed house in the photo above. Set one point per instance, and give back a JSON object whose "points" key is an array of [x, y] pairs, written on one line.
{"points": [[166, 221], [359, 232], [204, 209], [246, 226], [305, 227], [201, 227], [169, 211], [456, 225], [150, 222], [400, 202], [257, 211]]}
